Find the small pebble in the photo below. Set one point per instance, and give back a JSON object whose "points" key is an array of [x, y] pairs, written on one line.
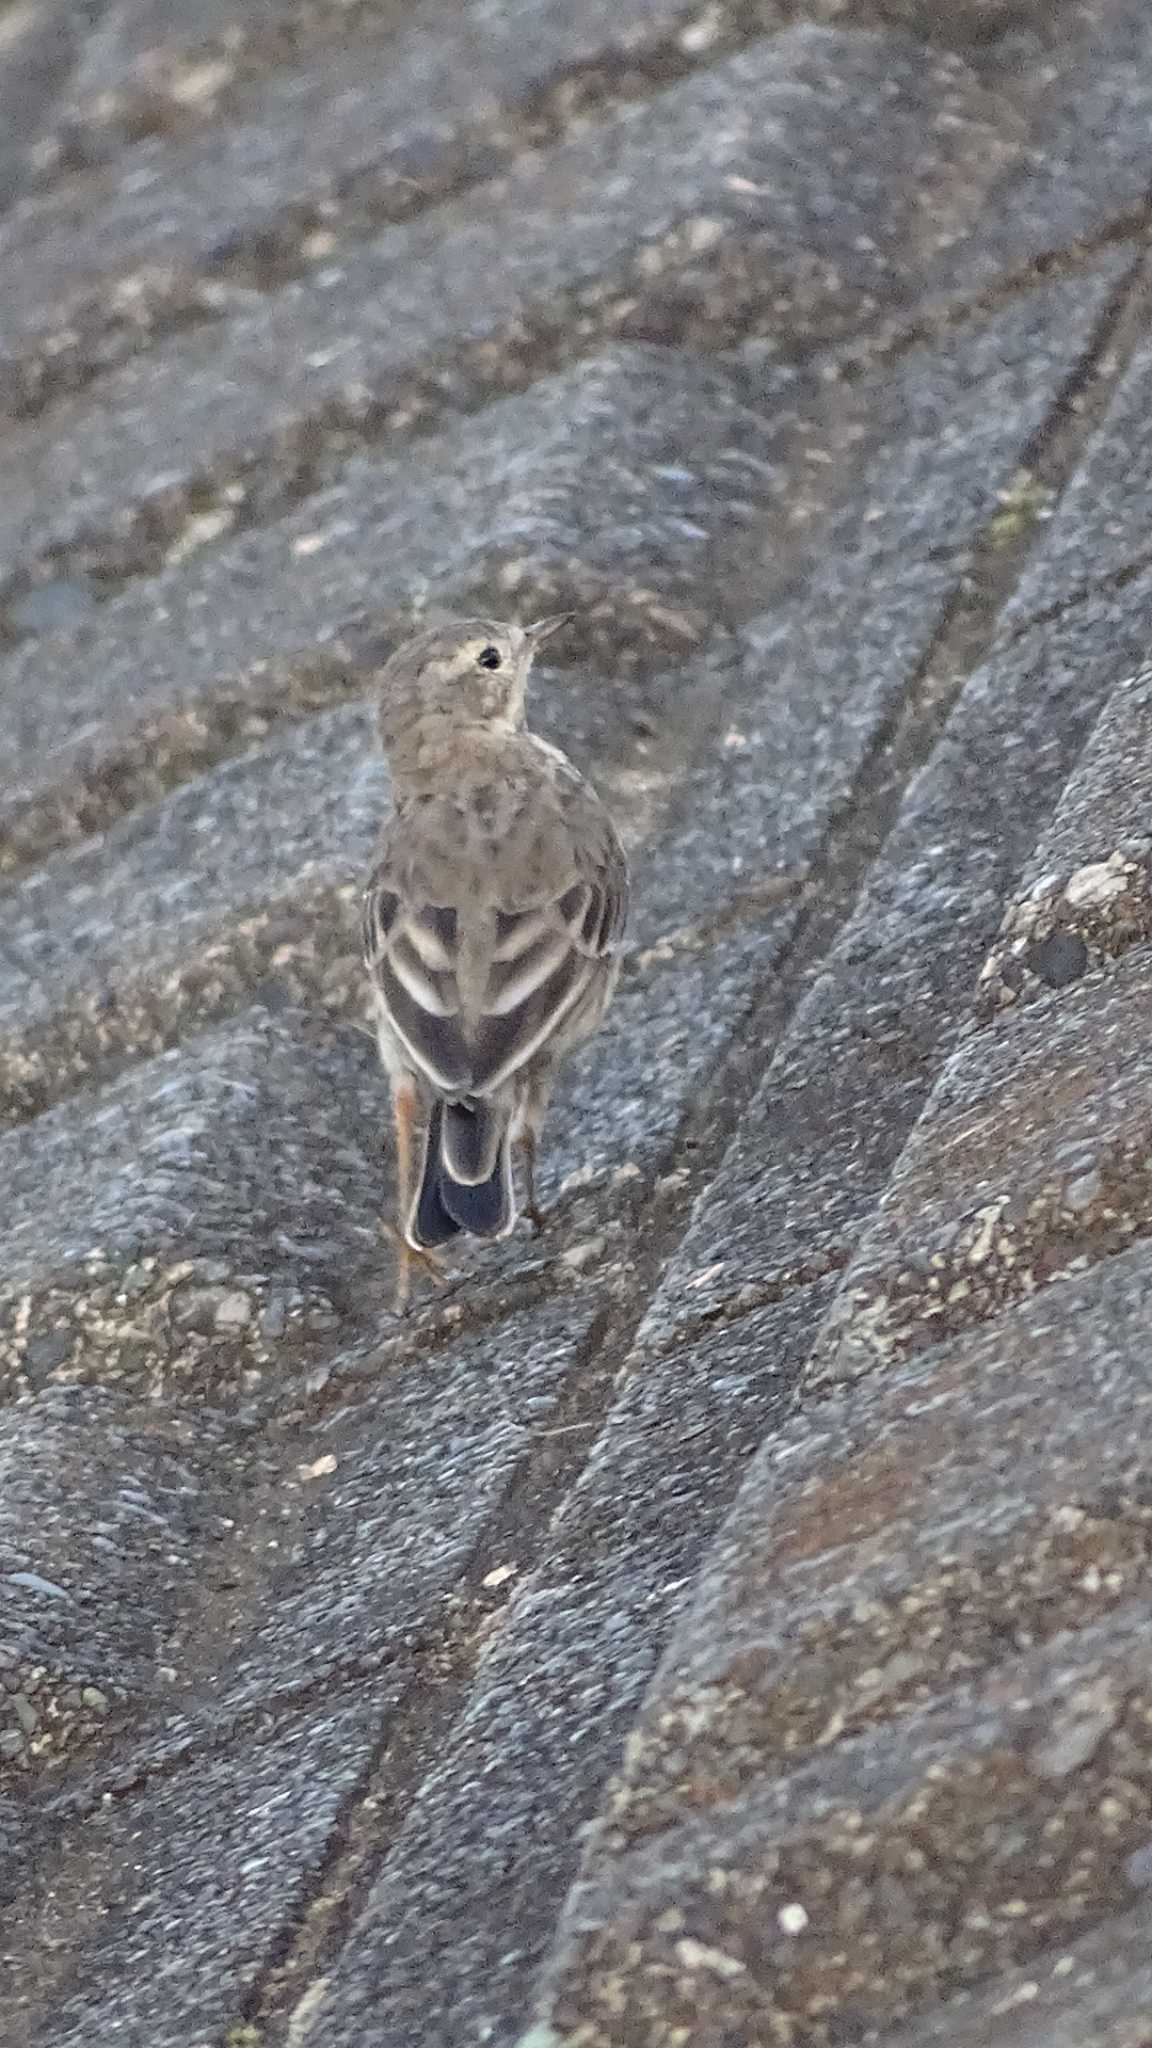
{"points": [[25, 1712], [33, 1583], [234, 1312], [580, 1255], [320, 1469]]}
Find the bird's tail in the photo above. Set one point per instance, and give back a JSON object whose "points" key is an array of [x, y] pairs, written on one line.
{"points": [[466, 1180]]}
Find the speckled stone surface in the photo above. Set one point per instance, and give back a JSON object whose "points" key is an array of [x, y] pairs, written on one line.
{"points": [[721, 1621]]}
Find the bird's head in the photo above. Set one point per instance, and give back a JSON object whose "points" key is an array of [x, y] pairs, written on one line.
{"points": [[465, 673]]}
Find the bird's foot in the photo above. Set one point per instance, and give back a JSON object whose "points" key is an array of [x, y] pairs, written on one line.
{"points": [[409, 1258]]}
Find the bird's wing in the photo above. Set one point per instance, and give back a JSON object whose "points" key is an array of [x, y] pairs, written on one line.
{"points": [[411, 948], [473, 994], [545, 959]]}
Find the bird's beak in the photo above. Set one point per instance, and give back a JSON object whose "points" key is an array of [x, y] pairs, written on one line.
{"points": [[543, 629]]}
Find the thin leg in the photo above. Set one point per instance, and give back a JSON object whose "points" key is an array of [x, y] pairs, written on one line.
{"points": [[405, 1110], [532, 1209]]}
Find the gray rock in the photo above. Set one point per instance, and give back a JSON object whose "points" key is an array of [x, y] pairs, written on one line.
{"points": [[963, 1230], [38, 50], [561, 496], [222, 1851], [85, 1611], [185, 223], [472, 1878], [679, 221], [1085, 895], [568, 1656], [937, 1514], [819, 1137], [241, 1149], [1098, 533], [1086, 91]]}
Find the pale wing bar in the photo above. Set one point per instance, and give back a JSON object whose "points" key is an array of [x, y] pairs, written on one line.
{"points": [[543, 961]]}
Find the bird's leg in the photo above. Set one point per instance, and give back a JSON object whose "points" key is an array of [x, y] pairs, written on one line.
{"points": [[405, 1109], [532, 1209]]}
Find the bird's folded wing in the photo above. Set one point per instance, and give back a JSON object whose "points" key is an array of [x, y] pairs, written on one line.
{"points": [[535, 966]]}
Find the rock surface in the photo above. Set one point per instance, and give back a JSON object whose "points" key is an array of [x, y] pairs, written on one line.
{"points": [[724, 1620]]}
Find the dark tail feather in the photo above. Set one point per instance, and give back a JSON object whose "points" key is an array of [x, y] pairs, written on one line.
{"points": [[431, 1223], [467, 1177], [476, 1168], [471, 1140]]}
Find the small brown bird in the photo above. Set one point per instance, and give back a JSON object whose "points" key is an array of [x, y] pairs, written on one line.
{"points": [[492, 927]]}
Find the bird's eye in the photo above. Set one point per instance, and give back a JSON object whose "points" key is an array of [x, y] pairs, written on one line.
{"points": [[490, 657]]}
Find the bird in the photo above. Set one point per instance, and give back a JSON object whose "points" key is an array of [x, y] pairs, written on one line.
{"points": [[493, 923]]}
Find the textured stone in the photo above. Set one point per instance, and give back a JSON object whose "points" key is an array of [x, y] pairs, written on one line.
{"points": [[820, 1135], [449, 1937], [242, 883], [254, 1159], [1086, 172], [609, 487], [1086, 893], [986, 1495], [678, 223], [1097, 1989], [251, 1161], [928, 1603], [875, 1848], [37, 47], [180, 229], [144, 65], [153, 1916], [311, 1735], [247, 883], [1099, 531], [965, 1226], [107, 1526], [385, 1555], [248, 880]]}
